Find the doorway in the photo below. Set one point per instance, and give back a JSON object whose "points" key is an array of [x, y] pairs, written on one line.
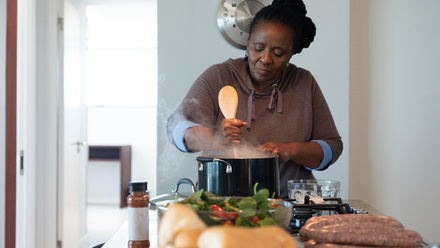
{"points": [[121, 99], [45, 144]]}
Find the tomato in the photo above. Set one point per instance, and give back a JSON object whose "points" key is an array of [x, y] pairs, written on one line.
{"points": [[220, 213], [232, 215], [274, 205], [255, 220], [217, 211], [216, 208]]}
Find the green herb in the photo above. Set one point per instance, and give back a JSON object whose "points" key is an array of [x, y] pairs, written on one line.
{"points": [[268, 221], [256, 210]]}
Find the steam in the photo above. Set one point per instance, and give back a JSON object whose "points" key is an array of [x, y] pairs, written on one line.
{"points": [[173, 164], [241, 150]]}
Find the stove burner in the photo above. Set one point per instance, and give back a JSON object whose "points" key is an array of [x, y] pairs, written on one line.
{"points": [[300, 216], [302, 212]]}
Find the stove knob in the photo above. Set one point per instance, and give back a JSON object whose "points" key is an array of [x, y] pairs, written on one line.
{"points": [[362, 212], [358, 210]]}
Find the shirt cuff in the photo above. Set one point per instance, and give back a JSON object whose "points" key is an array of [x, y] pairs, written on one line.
{"points": [[179, 133], [327, 155]]}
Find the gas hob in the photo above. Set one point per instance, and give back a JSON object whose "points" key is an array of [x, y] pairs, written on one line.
{"points": [[301, 212]]}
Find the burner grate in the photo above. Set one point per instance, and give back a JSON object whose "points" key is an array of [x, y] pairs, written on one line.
{"points": [[301, 212]]}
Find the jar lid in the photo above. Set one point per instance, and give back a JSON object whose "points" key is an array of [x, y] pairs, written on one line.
{"points": [[137, 186]]}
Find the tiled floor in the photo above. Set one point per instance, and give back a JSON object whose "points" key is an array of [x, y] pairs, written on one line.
{"points": [[103, 221]]}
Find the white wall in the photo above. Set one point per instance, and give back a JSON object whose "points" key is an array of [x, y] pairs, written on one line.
{"points": [[328, 60], [2, 117], [394, 116], [122, 126], [189, 42]]}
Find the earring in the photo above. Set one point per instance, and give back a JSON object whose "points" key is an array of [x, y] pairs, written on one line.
{"points": [[246, 56]]}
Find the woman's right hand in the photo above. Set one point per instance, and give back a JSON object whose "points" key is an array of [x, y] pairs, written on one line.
{"points": [[230, 130], [198, 138]]}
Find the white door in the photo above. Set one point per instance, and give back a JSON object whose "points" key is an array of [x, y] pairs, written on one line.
{"points": [[72, 125]]}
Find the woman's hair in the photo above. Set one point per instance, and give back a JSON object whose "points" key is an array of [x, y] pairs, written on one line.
{"points": [[291, 13]]}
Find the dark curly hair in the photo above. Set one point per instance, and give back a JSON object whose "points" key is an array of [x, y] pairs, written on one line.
{"points": [[291, 13]]}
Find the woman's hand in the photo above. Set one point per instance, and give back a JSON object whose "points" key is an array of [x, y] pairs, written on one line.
{"points": [[198, 138], [283, 150], [230, 131], [309, 154]]}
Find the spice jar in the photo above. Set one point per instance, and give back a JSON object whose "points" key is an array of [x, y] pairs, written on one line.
{"points": [[138, 217]]}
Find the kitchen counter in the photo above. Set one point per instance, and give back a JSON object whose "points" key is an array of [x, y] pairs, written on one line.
{"points": [[120, 238]]}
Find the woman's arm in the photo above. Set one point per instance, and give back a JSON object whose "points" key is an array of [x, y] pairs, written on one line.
{"points": [[199, 138]]}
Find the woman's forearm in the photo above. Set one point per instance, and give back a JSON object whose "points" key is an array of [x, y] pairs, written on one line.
{"points": [[198, 138], [309, 154]]}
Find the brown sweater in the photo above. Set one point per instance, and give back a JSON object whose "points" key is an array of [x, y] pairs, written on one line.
{"points": [[300, 112]]}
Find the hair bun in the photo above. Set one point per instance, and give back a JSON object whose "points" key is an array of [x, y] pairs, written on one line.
{"points": [[308, 34], [295, 5], [291, 13]]}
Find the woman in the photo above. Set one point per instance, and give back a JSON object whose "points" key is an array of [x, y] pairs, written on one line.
{"points": [[281, 108]]}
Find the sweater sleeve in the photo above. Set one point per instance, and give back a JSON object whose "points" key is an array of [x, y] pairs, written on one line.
{"points": [[179, 133], [327, 155], [324, 127]]}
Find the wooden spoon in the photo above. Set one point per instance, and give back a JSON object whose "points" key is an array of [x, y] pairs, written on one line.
{"points": [[228, 101]]}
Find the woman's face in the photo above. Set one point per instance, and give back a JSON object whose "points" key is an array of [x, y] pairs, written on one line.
{"points": [[269, 47]]}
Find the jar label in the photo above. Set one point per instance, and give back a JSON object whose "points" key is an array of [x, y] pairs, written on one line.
{"points": [[138, 223]]}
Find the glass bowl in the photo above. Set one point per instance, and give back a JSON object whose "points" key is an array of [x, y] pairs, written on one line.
{"points": [[316, 189], [279, 214]]}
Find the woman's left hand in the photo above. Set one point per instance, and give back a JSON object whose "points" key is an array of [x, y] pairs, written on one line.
{"points": [[309, 154], [283, 150]]}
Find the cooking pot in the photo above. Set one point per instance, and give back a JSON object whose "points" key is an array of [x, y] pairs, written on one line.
{"points": [[238, 176]]}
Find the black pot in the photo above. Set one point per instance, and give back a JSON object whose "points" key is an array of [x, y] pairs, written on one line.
{"points": [[238, 176]]}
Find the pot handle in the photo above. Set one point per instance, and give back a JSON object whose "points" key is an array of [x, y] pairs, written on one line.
{"points": [[206, 159], [228, 168], [183, 181]]}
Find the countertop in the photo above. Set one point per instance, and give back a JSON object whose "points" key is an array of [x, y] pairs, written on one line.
{"points": [[120, 238]]}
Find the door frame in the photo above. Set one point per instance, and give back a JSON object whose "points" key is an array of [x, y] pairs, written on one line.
{"points": [[47, 124], [44, 130], [11, 123]]}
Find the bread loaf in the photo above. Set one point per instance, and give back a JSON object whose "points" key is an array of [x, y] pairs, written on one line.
{"points": [[241, 237], [182, 224]]}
